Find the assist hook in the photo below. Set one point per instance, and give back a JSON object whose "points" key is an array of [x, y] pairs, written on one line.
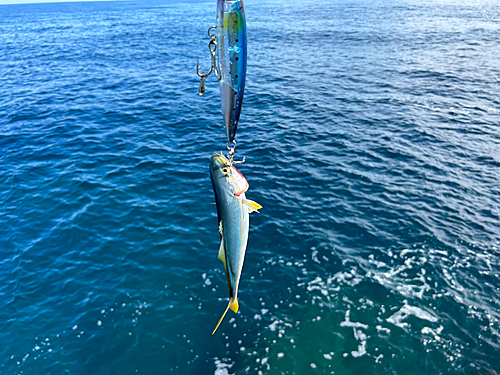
{"points": [[230, 154], [212, 46]]}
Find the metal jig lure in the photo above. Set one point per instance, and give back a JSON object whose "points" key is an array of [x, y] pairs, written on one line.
{"points": [[228, 49]]}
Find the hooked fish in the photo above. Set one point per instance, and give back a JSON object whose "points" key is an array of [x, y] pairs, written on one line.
{"points": [[233, 211], [232, 60]]}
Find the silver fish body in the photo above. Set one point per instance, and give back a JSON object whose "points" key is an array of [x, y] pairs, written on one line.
{"points": [[233, 211]]}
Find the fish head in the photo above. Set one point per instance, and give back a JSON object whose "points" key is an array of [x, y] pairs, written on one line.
{"points": [[224, 173]]}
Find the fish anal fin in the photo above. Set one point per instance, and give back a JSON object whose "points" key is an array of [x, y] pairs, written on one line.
{"points": [[222, 248], [222, 251], [251, 205]]}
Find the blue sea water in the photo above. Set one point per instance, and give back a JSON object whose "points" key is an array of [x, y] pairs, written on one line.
{"points": [[371, 131]]}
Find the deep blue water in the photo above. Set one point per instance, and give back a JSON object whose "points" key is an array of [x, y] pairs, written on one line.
{"points": [[371, 130]]}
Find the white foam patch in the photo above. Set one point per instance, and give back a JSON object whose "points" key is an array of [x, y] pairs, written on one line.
{"points": [[360, 336], [314, 256], [383, 329], [221, 368], [350, 278], [321, 286], [347, 322], [407, 310], [408, 278], [273, 326], [433, 332], [329, 287], [264, 361], [279, 326]]}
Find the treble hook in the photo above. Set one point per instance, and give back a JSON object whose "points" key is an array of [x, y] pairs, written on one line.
{"points": [[212, 46], [230, 155], [203, 76]]}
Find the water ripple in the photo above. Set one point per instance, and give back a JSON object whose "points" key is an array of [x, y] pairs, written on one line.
{"points": [[371, 135]]}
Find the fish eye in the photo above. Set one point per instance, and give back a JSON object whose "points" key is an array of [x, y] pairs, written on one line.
{"points": [[225, 170]]}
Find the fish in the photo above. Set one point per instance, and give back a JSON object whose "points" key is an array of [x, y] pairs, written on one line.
{"points": [[231, 60], [233, 209]]}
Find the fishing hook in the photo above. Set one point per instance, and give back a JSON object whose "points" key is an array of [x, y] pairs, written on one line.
{"points": [[203, 76], [230, 154], [213, 44], [212, 47]]}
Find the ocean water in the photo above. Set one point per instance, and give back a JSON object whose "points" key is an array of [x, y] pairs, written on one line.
{"points": [[371, 131]]}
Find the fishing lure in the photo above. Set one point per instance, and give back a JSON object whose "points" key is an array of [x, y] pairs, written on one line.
{"points": [[233, 209], [228, 48]]}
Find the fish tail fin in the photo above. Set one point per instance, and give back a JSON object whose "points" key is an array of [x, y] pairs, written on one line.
{"points": [[233, 305]]}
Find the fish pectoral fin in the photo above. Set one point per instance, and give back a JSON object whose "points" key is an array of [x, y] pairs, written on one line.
{"points": [[230, 305], [251, 205]]}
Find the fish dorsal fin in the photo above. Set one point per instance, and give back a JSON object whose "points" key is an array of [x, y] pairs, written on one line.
{"points": [[220, 227], [251, 205]]}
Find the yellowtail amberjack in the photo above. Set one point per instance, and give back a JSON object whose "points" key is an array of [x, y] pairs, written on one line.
{"points": [[233, 216]]}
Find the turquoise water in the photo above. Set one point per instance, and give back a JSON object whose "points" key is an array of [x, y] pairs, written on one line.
{"points": [[371, 130]]}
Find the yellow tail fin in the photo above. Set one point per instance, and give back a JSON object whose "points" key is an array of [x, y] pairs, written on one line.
{"points": [[233, 305]]}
